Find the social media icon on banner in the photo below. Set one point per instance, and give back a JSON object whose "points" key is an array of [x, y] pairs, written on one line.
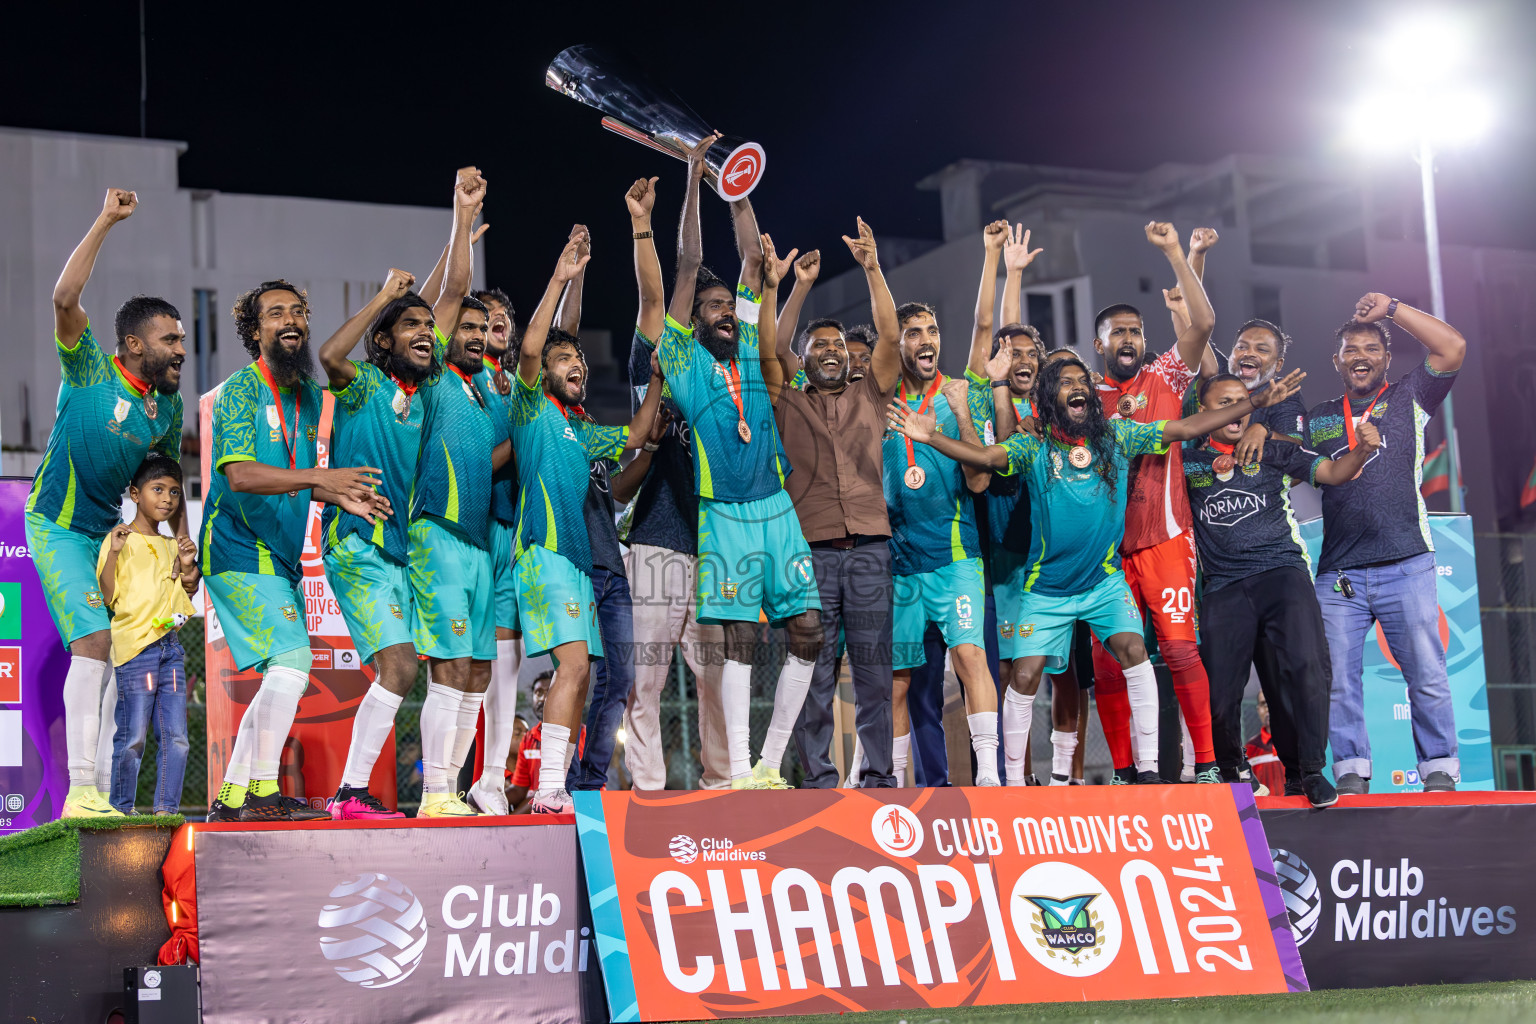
{"points": [[346, 658], [15, 802], [1413, 778], [1398, 778]]}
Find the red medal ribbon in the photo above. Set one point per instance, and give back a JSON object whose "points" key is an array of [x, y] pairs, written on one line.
{"points": [[470, 383], [140, 388], [922, 408], [282, 418], [1349, 418], [1225, 449], [1070, 442], [409, 389], [733, 388], [578, 410]]}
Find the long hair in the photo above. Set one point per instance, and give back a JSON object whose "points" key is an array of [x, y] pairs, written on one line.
{"points": [[1096, 429], [385, 322]]}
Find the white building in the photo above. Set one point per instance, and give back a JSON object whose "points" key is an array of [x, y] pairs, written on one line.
{"points": [[198, 249]]}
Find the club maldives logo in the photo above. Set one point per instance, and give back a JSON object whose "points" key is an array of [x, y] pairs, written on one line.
{"points": [[1066, 920], [375, 931], [1300, 892], [683, 849], [897, 830]]}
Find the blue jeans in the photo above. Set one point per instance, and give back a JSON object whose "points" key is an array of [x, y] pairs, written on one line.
{"points": [[615, 677], [151, 685], [1401, 596]]}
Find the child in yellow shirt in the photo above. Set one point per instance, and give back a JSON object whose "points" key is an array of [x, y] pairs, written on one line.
{"points": [[146, 579]]}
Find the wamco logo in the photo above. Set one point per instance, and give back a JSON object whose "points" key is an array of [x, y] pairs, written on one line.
{"points": [[376, 933], [1063, 917]]}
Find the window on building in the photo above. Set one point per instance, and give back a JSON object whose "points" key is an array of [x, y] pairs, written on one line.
{"points": [[1266, 303], [1040, 309], [205, 335]]}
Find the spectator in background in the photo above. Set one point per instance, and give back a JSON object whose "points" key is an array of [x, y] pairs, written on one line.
{"points": [[1268, 772]]}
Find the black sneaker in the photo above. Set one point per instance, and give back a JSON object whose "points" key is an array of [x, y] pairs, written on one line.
{"points": [[1149, 779], [1439, 782], [1350, 784], [1207, 773], [1317, 789], [1031, 780], [1123, 777], [220, 811], [278, 807]]}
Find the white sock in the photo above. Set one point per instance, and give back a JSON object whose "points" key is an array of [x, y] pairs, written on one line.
{"points": [[1189, 745], [1063, 746], [275, 705], [855, 765], [984, 743], [554, 757], [788, 696], [736, 697], [1018, 716], [370, 728], [82, 716], [1141, 687], [899, 747], [464, 730], [105, 734], [238, 771], [439, 723], [500, 714]]}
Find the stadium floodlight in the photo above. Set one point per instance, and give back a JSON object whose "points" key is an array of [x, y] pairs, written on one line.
{"points": [[1416, 98]]}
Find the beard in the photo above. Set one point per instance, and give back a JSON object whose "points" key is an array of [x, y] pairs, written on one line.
{"points": [[399, 366], [568, 395], [157, 372], [721, 346], [290, 367], [822, 381]]}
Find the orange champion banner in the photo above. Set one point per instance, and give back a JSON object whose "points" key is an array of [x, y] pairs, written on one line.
{"points": [[316, 750], [721, 904]]}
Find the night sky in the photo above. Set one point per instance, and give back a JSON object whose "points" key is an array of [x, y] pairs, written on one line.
{"points": [[853, 102]]}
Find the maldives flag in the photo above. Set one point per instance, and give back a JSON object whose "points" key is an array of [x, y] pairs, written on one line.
{"points": [[1528, 496], [1437, 473]]}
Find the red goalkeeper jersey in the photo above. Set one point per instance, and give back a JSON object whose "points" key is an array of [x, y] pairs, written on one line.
{"points": [[1157, 508]]}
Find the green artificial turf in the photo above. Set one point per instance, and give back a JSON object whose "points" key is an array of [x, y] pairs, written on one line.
{"points": [[42, 865], [1505, 1002]]}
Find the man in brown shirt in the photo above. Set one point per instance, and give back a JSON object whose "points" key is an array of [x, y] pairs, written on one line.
{"points": [[831, 431]]}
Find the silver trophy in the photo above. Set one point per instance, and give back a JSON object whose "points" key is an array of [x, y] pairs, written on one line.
{"points": [[638, 108]]}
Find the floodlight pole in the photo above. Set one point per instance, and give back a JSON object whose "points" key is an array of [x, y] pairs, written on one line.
{"points": [[1437, 302]]}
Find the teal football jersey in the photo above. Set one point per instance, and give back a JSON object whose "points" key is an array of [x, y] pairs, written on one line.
{"points": [[377, 423], [260, 533], [555, 452], [1076, 525], [504, 480], [101, 433], [934, 524], [725, 467], [453, 475]]}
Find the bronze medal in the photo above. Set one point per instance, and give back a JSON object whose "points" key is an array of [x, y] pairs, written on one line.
{"points": [[1126, 405], [915, 477], [1079, 456], [503, 383], [744, 431], [151, 407], [1223, 463]]}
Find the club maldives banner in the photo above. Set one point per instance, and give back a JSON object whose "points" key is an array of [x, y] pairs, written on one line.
{"points": [[1383, 892], [333, 924], [710, 904], [316, 750], [34, 775], [1394, 759]]}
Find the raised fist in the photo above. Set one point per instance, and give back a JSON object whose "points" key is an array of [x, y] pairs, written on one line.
{"points": [[1372, 307], [397, 283], [119, 204], [807, 268], [1162, 234], [469, 188], [994, 235], [1202, 239], [641, 197]]}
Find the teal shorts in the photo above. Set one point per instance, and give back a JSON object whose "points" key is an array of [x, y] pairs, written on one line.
{"points": [[374, 593], [556, 603], [1009, 571], [753, 558], [262, 616], [1048, 620], [66, 565], [504, 569], [953, 596], [451, 589]]}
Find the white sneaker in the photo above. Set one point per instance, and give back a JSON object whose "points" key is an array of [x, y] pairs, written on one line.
{"points": [[487, 799]]}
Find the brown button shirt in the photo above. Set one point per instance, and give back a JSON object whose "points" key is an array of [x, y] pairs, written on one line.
{"points": [[833, 443]]}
